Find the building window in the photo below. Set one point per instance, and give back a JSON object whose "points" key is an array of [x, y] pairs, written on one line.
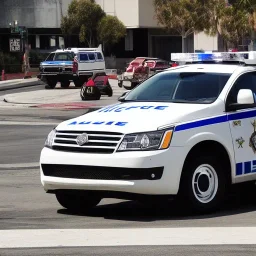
{"points": [[61, 42], [52, 41], [129, 41]]}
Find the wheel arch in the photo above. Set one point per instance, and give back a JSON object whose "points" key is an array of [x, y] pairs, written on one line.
{"points": [[209, 147]]}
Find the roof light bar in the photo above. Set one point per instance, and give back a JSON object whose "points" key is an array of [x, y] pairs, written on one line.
{"points": [[245, 57]]}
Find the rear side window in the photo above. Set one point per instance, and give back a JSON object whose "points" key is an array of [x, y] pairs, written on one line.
{"points": [[99, 56], [91, 56]]}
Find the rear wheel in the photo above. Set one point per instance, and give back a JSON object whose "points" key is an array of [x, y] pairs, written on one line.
{"points": [[77, 202], [79, 82], [133, 85], [65, 84], [110, 92], [120, 84], [203, 183]]}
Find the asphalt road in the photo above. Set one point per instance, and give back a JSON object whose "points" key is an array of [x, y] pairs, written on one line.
{"points": [[25, 205]]}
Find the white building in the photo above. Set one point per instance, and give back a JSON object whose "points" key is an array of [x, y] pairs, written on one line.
{"points": [[144, 36]]}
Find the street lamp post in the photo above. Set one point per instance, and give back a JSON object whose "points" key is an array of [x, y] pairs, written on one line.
{"points": [[23, 32]]}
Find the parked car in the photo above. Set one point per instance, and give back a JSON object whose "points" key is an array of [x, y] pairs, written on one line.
{"points": [[72, 64], [139, 70]]}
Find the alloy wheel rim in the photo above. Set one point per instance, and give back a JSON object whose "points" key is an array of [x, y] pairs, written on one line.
{"points": [[205, 183]]}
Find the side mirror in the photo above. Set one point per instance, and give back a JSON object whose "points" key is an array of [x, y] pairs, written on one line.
{"points": [[245, 96], [245, 99], [122, 97]]}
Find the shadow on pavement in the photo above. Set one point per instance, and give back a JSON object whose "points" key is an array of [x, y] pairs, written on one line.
{"points": [[237, 203]]}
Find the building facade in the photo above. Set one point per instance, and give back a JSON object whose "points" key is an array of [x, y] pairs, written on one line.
{"points": [[144, 37], [42, 18]]}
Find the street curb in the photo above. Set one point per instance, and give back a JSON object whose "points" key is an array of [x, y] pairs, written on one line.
{"points": [[10, 86]]}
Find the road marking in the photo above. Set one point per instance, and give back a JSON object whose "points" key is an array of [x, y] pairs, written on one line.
{"points": [[19, 165], [127, 237], [29, 123]]}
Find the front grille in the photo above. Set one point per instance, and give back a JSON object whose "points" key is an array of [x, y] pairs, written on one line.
{"points": [[54, 70], [98, 142], [101, 173]]}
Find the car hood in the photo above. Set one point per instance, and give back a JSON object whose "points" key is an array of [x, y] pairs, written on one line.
{"points": [[140, 116], [54, 63]]}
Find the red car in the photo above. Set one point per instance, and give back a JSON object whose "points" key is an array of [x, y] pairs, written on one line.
{"points": [[139, 70]]}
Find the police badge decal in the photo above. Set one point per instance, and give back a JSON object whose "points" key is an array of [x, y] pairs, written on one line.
{"points": [[252, 142]]}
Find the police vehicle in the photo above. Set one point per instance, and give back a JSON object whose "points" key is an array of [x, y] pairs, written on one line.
{"points": [[189, 132], [72, 64]]}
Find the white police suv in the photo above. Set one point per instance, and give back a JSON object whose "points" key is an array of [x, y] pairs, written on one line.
{"points": [[188, 131]]}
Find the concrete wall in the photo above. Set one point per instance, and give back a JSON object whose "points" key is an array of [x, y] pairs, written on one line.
{"points": [[33, 13], [147, 14], [205, 42], [133, 13], [126, 10]]}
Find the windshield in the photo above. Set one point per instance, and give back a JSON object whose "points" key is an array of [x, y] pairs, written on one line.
{"points": [[64, 56], [185, 87]]}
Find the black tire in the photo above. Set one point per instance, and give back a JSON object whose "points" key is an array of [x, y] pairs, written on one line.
{"points": [[190, 195], [95, 95], [120, 84], [65, 84], [133, 85], [51, 83], [77, 202], [110, 92], [78, 83]]}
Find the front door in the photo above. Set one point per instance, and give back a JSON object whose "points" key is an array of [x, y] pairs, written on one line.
{"points": [[243, 129]]}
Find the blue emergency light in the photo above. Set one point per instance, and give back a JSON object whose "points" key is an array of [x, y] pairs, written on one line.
{"points": [[216, 57]]}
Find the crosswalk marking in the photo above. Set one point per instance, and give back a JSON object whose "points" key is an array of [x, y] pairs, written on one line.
{"points": [[39, 238]]}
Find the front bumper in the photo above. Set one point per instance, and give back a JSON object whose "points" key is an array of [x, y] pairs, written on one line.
{"points": [[165, 183]]}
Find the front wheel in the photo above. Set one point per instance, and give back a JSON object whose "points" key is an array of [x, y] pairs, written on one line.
{"points": [[203, 183], [51, 83], [77, 202]]}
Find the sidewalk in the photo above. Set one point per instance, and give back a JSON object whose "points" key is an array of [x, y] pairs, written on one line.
{"points": [[60, 98], [18, 83]]}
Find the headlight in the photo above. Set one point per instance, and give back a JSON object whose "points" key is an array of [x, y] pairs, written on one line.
{"points": [[146, 141], [50, 139]]}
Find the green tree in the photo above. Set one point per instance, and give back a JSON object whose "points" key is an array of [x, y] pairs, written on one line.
{"points": [[229, 20], [234, 25], [182, 16], [87, 19], [83, 18], [110, 30]]}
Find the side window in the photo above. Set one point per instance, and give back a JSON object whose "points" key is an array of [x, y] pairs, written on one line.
{"points": [[83, 57], [99, 56], [50, 57], [245, 81], [91, 56]]}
